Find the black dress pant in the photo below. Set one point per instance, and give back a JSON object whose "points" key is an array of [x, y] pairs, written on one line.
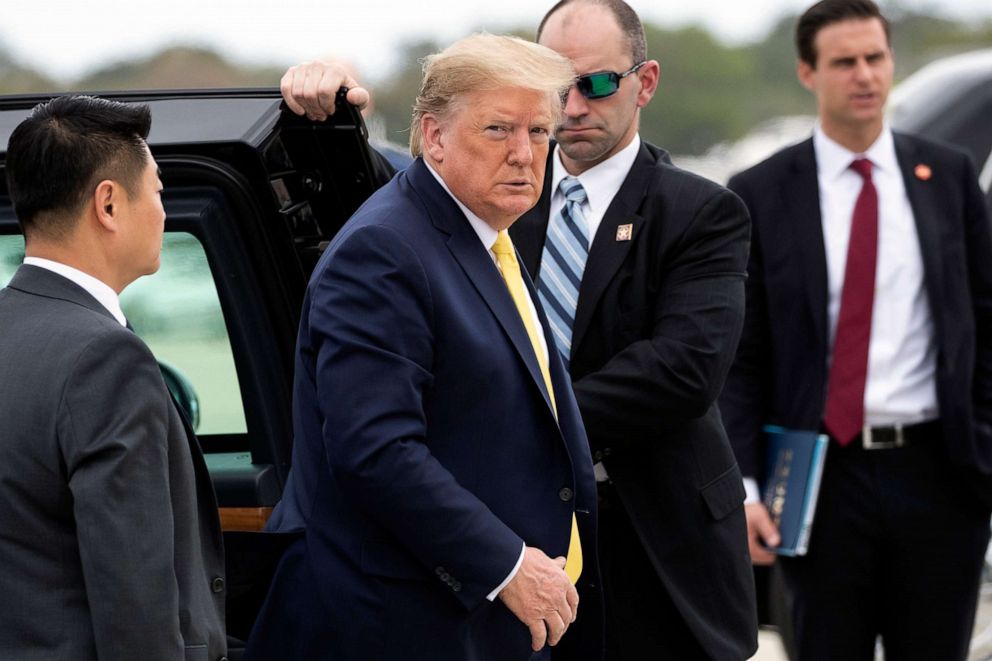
{"points": [[896, 551], [642, 623]]}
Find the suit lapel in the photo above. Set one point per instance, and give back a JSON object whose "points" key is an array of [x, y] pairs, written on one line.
{"points": [[926, 212], [607, 253], [801, 193], [473, 258]]}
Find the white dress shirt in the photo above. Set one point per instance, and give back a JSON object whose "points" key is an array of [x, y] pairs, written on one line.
{"points": [[99, 290], [902, 356], [601, 182]]}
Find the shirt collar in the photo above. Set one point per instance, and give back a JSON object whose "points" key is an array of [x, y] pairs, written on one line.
{"points": [[484, 231], [602, 181], [833, 159], [99, 290]]}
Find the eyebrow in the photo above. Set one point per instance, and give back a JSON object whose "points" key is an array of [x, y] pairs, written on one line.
{"points": [[853, 58]]}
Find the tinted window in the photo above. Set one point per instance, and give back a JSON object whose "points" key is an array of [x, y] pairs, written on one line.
{"points": [[177, 312]]}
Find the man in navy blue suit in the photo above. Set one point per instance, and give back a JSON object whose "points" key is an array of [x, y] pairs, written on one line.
{"points": [[441, 475]]}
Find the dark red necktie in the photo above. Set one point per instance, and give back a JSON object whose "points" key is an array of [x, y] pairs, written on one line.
{"points": [[844, 414]]}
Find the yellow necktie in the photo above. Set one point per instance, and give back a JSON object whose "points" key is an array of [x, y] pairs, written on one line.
{"points": [[510, 268]]}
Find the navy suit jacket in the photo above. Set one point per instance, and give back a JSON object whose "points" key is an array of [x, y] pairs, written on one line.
{"points": [[780, 372], [426, 449]]}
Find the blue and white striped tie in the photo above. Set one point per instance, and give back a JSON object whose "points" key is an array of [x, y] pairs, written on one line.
{"points": [[562, 263]]}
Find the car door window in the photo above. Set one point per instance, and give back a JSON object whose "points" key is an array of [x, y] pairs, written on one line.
{"points": [[178, 313]]}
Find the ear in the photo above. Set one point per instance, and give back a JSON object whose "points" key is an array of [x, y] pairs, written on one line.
{"points": [[649, 75], [106, 204], [433, 135], [806, 74]]}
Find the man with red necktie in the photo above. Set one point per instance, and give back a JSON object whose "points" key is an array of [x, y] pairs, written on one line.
{"points": [[869, 317]]}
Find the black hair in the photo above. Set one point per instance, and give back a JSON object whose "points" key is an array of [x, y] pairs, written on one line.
{"points": [[64, 148], [828, 12]]}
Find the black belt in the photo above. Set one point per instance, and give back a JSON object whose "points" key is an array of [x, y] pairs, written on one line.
{"points": [[896, 436]]}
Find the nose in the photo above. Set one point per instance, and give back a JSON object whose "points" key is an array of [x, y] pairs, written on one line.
{"points": [[521, 151], [862, 69], [576, 105]]}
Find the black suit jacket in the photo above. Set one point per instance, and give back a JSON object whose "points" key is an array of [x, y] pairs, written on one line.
{"points": [[657, 323], [780, 373]]}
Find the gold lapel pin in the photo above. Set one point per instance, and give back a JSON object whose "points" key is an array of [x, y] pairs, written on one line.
{"points": [[923, 172], [624, 232]]}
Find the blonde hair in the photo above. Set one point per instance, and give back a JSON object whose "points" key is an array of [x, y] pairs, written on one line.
{"points": [[486, 62]]}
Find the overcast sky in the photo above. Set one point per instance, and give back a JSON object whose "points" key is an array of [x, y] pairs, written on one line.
{"points": [[65, 38]]}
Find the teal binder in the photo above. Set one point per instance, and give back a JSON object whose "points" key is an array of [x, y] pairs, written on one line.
{"points": [[792, 484]]}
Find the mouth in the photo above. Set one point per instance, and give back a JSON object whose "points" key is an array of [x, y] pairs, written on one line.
{"points": [[864, 98], [576, 130], [518, 184]]}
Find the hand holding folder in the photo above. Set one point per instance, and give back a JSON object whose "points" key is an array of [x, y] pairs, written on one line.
{"points": [[792, 483]]}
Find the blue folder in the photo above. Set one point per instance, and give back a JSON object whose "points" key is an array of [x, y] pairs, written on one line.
{"points": [[792, 483]]}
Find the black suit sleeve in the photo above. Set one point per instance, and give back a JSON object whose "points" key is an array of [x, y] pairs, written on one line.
{"points": [[676, 374], [744, 400]]}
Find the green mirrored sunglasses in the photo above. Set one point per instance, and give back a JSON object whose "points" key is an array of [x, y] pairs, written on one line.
{"points": [[601, 84]]}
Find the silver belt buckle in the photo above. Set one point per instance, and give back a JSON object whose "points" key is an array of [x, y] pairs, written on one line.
{"points": [[868, 442]]}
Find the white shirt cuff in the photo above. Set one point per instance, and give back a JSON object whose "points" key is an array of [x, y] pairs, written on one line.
{"points": [[513, 572], [752, 494]]}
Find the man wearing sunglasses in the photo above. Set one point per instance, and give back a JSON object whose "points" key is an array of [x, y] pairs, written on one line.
{"points": [[640, 267], [660, 305]]}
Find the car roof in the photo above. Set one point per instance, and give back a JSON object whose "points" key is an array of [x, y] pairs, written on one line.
{"points": [[178, 116], [923, 96]]}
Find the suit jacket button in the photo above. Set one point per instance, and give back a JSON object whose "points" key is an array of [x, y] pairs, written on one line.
{"points": [[597, 456], [565, 494], [445, 576], [222, 658], [439, 570], [217, 585], [456, 586]]}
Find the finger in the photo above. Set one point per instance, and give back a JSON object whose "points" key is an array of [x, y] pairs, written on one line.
{"points": [[560, 561], [538, 635], [358, 96], [769, 533], [331, 81], [310, 96], [563, 608], [556, 627], [572, 598], [286, 87], [300, 80], [760, 524], [760, 555]]}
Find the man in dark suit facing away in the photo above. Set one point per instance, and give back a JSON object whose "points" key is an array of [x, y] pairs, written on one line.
{"points": [[642, 278], [870, 318], [109, 536]]}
